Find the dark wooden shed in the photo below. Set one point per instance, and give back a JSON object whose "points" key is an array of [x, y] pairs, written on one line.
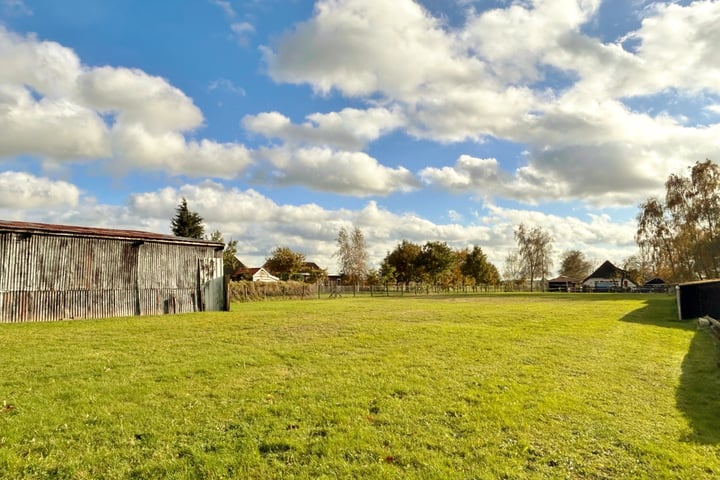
{"points": [[56, 272], [563, 284], [696, 299]]}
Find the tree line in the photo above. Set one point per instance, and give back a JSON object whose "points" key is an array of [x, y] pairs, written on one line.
{"points": [[434, 263], [437, 264]]}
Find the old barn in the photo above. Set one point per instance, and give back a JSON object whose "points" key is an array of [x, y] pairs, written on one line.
{"points": [[56, 272]]}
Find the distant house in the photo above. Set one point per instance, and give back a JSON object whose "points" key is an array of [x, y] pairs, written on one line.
{"points": [[310, 266], [334, 279], [608, 278], [563, 284], [311, 272], [257, 274]]}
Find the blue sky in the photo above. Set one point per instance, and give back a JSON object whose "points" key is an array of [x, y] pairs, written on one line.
{"points": [[282, 121]]}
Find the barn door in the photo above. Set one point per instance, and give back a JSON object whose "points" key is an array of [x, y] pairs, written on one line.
{"points": [[210, 274]]}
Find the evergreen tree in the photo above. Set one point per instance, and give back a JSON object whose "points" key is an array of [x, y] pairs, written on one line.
{"points": [[186, 223], [476, 266]]}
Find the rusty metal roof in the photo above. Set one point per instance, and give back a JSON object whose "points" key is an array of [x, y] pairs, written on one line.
{"points": [[77, 231]]}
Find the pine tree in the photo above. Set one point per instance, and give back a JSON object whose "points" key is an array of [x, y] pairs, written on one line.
{"points": [[186, 223]]}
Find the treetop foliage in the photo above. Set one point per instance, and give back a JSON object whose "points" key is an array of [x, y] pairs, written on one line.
{"points": [[437, 263], [285, 263], [681, 235], [230, 260], [574, 264], [187, 223]]}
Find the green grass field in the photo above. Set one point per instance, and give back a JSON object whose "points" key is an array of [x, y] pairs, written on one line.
{"points": [[487, 386]]}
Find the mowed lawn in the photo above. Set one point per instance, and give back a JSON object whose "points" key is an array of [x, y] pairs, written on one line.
{"points": [[477, 386]]}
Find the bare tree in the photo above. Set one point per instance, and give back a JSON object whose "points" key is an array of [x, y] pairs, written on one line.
{"points": [[352, 255], [535, 250], [513, 269]]}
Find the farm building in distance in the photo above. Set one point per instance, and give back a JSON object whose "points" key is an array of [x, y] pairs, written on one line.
{"points": [[257, 274], [608, 278], [57, 272], [563, 284]]}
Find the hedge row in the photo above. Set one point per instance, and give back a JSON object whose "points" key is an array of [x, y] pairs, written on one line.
{"points": [[248, 291]]}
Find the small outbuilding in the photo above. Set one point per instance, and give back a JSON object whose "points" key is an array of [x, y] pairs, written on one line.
{"points": [[563, 284], [696, 299], [57, 272], [655, 285]]}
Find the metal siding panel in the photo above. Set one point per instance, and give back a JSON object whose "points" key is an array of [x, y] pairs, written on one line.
{"points": [[211, 282]]}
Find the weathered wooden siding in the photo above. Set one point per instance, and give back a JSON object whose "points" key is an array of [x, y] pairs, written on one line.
{"points": [[55, 277]]}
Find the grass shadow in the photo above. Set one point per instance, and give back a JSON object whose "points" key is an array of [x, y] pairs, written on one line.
{"points": [[699, 388], [658, 311]]}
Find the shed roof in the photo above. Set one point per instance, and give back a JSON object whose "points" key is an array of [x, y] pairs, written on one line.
{"points": [[564, 279], [93, 232], [702, 282]]}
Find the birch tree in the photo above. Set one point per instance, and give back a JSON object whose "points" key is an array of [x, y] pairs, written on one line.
{"points": [[681, 235], [535, 250], [352, 255]]}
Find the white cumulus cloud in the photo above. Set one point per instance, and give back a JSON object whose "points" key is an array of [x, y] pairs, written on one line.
{"points": [[21, 190], [324, 169], [348, 129]]}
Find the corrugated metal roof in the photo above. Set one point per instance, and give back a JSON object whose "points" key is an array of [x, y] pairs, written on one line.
{"points": [[77, 231]]}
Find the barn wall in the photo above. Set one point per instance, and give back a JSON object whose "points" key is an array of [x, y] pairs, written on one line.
{"points": [[55, 277]]}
